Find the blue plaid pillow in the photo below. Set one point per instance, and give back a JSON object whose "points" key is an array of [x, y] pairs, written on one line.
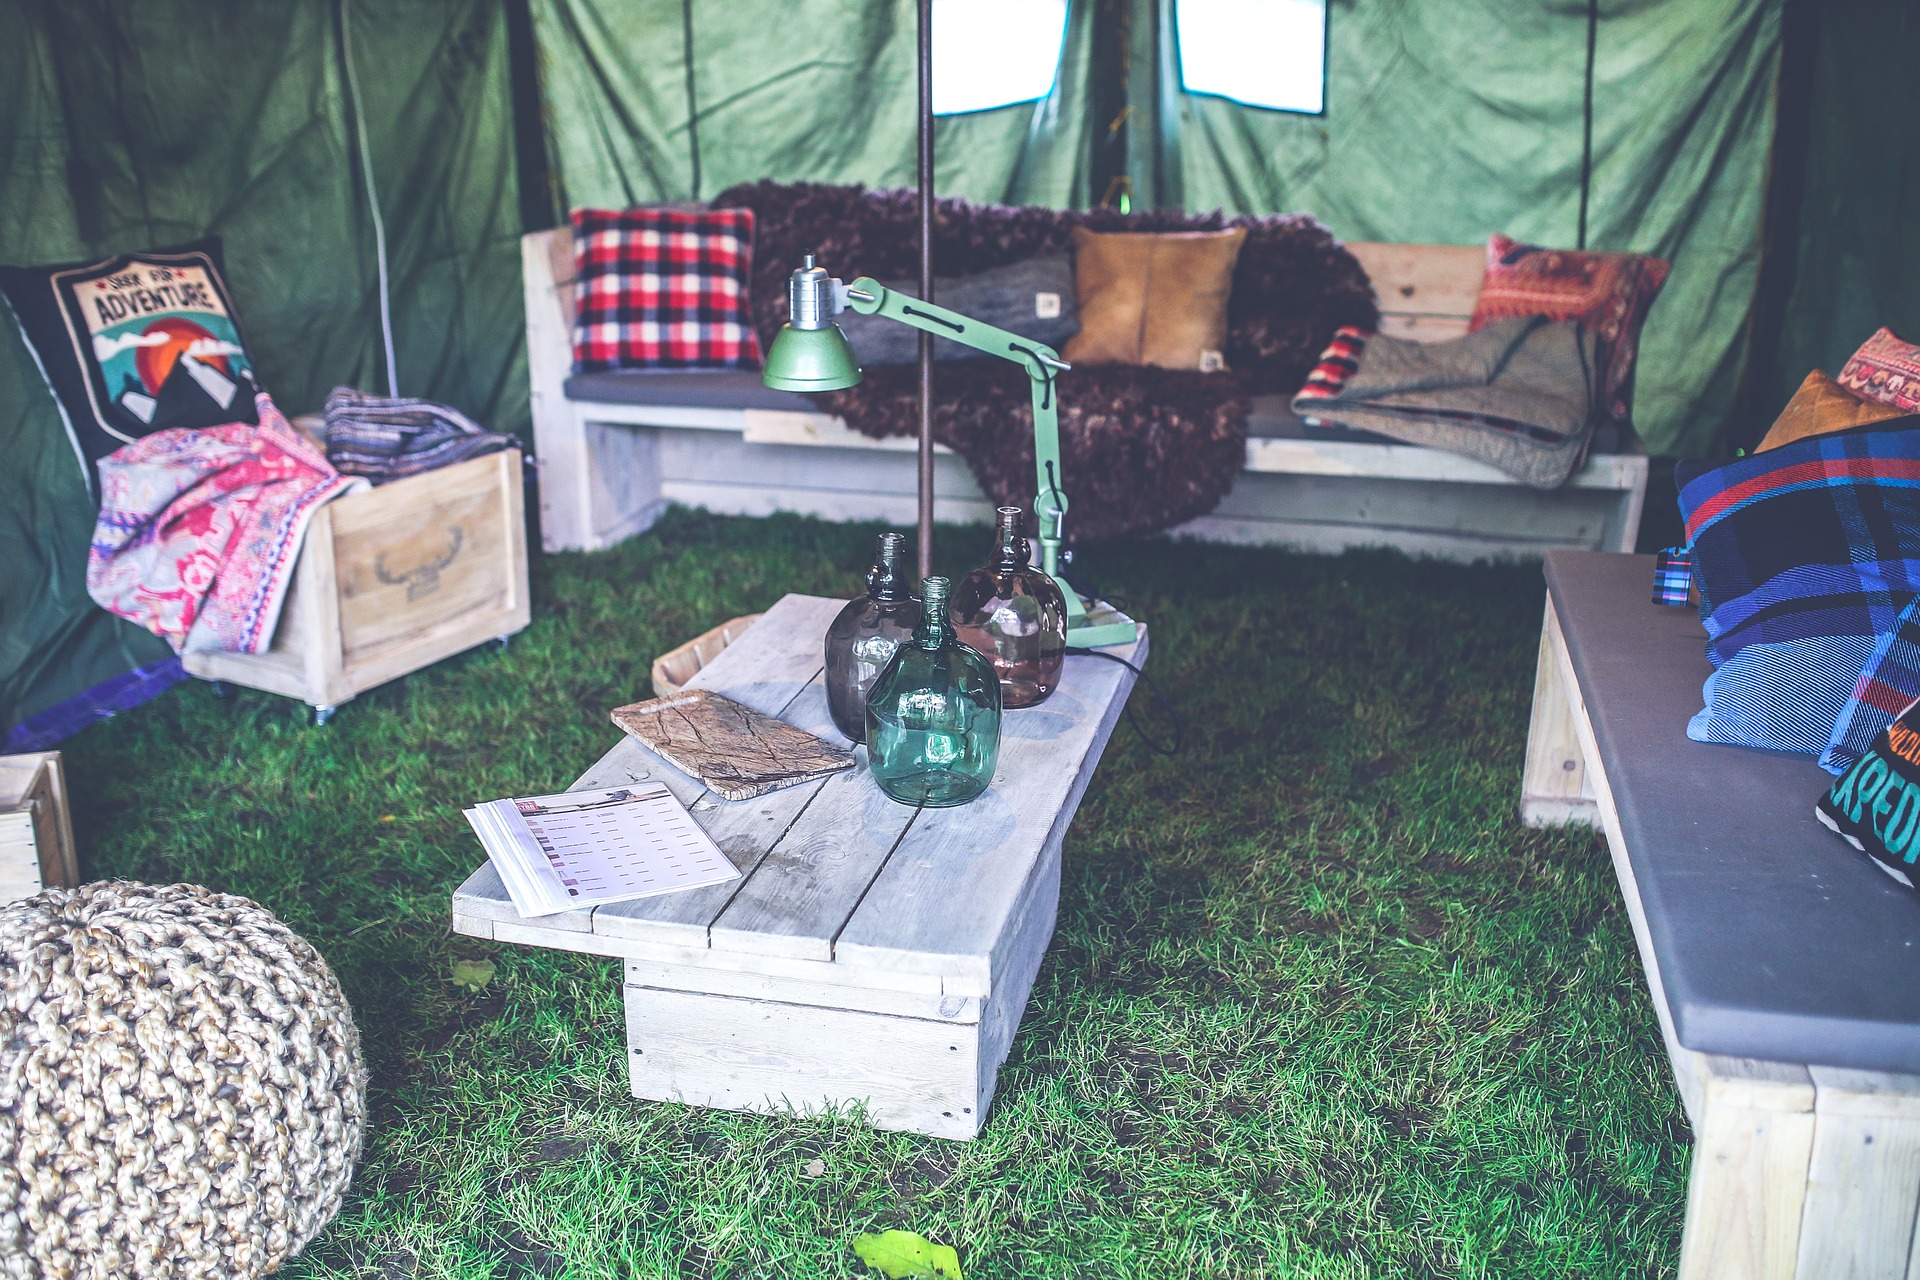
{"points": [[1803, 557], [1887, 685]]}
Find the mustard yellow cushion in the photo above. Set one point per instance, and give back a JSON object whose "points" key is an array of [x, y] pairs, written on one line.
{"points": [[1157, 298], [1820, 406]]}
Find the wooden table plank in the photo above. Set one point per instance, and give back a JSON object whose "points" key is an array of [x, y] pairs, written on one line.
{"points": [[945, 899], [747, 830], [810, 882], [766, 670]]}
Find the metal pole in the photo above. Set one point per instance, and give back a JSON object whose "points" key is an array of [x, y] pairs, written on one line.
{"points": [[926, 286]]}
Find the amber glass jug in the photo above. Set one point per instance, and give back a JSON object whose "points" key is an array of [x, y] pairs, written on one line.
{"points": [[1014, 616]]}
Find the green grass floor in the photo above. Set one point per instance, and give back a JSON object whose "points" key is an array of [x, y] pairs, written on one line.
{"points": [[1318, 1005]]}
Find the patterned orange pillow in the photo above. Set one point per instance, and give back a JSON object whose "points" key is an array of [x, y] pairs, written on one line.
{"points": [[1609, 293], [1885, 370]]}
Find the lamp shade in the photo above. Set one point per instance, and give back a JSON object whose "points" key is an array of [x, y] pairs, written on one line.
{"points": [[810, 360]]}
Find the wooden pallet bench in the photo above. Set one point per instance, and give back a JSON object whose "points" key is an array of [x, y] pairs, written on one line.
{"points": [[870, 955], [1780, 961], [615, 449]]}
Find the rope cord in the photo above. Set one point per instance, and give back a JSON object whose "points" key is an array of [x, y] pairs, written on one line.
{"points": [[373, 202], [1586, 119], [693, 101]]}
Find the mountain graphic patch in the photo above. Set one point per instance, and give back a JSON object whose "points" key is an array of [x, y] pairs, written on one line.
{"points": [[136, 343]]}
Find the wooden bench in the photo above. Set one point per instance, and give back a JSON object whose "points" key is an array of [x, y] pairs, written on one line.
{"points": [[615, 449], [1781, 962], [871, 955]]}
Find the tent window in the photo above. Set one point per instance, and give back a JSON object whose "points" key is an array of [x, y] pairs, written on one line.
{"points": [[994, 53], [1261, 53]]}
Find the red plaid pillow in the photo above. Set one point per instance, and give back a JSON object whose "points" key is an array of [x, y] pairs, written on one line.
{"points": [[663, 289], [1885, 370], [1609, 293]]}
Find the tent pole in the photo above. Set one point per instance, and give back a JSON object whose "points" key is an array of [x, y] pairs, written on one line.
{"points": [[926, 286]]}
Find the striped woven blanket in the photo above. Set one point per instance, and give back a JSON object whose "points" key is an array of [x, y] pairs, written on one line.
{"points": [[385, 439]]}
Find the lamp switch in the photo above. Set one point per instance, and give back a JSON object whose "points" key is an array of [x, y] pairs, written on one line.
{"points": [[1046, 306]]}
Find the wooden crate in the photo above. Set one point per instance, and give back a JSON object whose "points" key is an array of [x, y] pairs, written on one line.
{"points": [[672, 669], [392, 580], [36, 826]]}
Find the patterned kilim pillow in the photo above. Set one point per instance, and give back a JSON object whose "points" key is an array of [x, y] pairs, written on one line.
{"points": [[663, 289], [1885, 370], [1804, 556], [1608, 293]]}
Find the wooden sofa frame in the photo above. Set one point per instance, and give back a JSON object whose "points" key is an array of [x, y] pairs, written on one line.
{"points": [[607, 470]]}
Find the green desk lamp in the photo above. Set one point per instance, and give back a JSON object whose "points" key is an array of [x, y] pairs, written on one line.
{"points": [[811, 354]]}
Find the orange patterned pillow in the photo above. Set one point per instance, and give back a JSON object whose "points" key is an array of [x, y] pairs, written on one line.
{"points": [[1609, 293], [1885, 370]]}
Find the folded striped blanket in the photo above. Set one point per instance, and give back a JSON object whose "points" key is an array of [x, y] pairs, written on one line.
{"points": [[1518, 394], [385, 439]]}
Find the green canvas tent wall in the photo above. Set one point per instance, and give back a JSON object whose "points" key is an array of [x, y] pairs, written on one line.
{"points": [[130, 126], [1647, 124]]}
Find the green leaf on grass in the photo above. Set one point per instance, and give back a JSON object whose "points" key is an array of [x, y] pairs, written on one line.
{"points": [[474, 975], [902, 1253]]}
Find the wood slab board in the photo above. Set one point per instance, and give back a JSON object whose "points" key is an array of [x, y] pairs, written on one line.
{"points": [[738, 752]]}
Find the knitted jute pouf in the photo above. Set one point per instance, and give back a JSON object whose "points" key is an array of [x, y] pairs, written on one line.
{"points": [[181, 1091]]}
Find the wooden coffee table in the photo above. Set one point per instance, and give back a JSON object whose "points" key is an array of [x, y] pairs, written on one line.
{"points": [[868, 955]]}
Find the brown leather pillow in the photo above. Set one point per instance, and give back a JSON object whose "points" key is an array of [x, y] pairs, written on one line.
{"points": [[1822, 405], [1156, 298]]}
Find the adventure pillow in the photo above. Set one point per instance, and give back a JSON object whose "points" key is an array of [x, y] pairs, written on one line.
{"points": [[136, 343], [1876, 804]]}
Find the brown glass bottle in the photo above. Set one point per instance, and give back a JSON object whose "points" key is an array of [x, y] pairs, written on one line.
{"points": [[1014, 616]]}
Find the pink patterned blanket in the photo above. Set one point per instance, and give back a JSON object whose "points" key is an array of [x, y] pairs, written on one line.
{"points": [[199, 529]]}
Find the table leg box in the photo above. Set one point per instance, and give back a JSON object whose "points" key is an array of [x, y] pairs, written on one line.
{"points": [[917, 1061], [392, 580]]}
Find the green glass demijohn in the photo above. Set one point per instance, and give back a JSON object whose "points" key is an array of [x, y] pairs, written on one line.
{"points": [[933, 716]]}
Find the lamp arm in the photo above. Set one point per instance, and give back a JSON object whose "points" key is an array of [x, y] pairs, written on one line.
{"points": [[871, 298]]}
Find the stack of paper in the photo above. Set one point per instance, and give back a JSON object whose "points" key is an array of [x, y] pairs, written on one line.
{"points": [[585, 848]]}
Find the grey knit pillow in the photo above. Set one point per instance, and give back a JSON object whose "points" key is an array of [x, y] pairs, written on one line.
{"points": [[1033, 298]]}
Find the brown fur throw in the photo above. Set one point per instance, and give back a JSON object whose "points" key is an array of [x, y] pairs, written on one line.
{"points": [[1144, 449]]}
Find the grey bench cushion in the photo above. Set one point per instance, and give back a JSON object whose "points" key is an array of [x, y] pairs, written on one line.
{"points": [[686, 388], [1774, 939]]}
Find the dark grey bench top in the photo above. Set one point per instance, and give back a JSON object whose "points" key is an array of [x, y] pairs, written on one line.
{"points": [[1775, 938], [690, 388]]}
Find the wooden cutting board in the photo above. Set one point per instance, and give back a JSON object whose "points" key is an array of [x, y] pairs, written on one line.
{"points": [[737, 752]]}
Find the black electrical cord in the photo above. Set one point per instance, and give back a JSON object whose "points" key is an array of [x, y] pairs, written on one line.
{"points": [[1173, 716]]}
